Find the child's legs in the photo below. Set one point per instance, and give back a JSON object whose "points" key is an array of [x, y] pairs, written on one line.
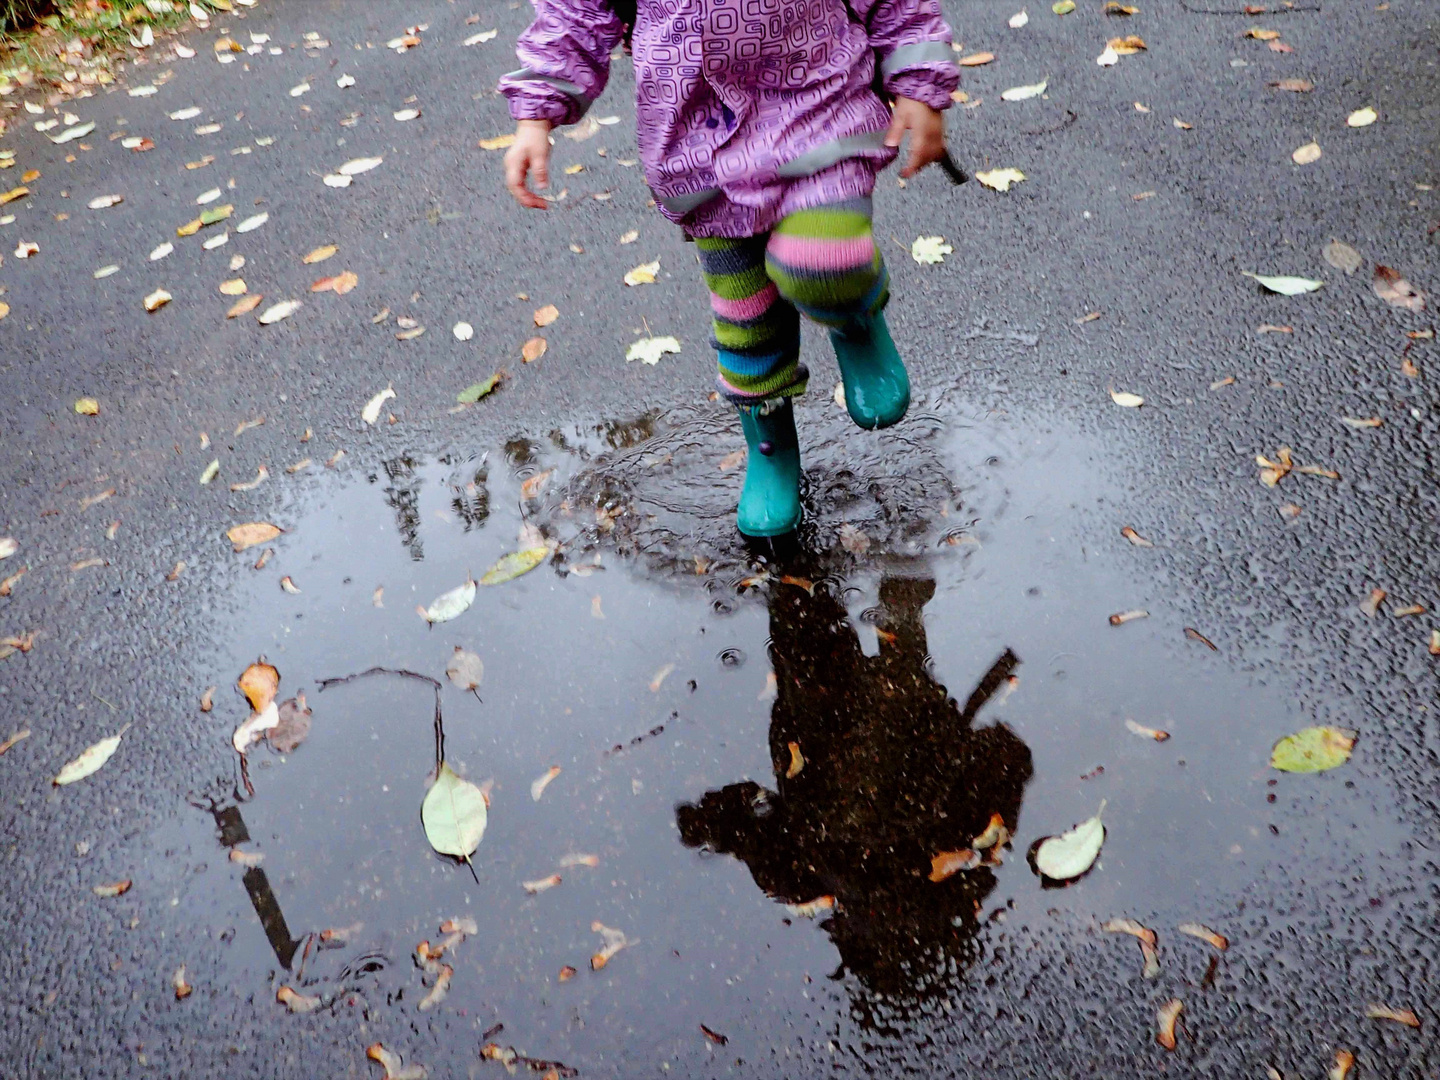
{"points": [[757, 332], [825, 262]]}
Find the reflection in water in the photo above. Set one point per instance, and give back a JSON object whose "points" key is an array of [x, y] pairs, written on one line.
{"points": [[894, 772], [403, 497], [232, 831]]}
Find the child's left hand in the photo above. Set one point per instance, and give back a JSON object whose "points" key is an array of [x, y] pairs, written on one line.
{"points": [[927, 133]]}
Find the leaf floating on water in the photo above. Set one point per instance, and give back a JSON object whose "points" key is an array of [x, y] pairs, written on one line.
{"points": [[454, 814], [1021, 93], [1131, 927], [537, 788], [297, 1002], [615, 940], [1314, 749], [649, 350], [514, 564], [1165, 1020], [1342, 256], [948, 863], [821, 905], [1400, 1016], [465, 669], [371, 412], [252, 533], [1120, 618], [451, 604], [1000, 179], [1396, 291], [541, 884], [439, 990], [89, 761], [1071, 854], [567, 861], [1205, 934], [1285, 286]]}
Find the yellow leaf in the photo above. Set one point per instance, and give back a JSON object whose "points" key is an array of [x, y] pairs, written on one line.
{"points": [[1306, 154], [87, 406], [320, 254], [1127, 45], [644, 274], [500, 142], [1262, 35], [245, 306], [233, 287], [1000, 179], [1362, 117], [546, 315]]}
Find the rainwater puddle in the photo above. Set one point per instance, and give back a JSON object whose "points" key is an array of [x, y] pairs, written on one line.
{"points": [[728, 746]]}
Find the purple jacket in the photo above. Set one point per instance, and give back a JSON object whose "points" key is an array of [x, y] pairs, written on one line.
{"points": [[742, 103]]}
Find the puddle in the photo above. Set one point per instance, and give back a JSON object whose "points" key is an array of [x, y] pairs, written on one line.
{"points": [[961, 667]]}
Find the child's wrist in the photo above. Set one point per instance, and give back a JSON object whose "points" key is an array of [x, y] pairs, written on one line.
{"points": [[542, 126]]}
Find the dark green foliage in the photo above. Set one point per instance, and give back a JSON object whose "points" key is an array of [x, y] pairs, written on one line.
{"points": [[19, 14]]}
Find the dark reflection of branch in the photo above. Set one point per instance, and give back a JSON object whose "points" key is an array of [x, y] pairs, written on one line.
{"points": [[404, 499], [894, 772], [232, 832], [325, 684], [472, 502]]}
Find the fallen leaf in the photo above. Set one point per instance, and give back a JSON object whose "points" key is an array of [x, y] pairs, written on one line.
{"points": [[483, 36], [567, 973], [465, 669], [93, 500], [533, 349], [1000, 179], [615, 940], [514, 564], [390, 1062], [207, 699], [357, 166], [1205, 934], [114, 888], [9, 744], [454, 814], [76, 131], [644, 274], [1063, 7], [549, 313], [244, 306], [530, 488], [732, 459], [1131, 927], [1281, 47], [297, 1002], [463, 331], [1181, 124], [1070, 854], [1371, 604], [1400, 1016], [157, 299], [1412, 609], [250, 224], [537, 788], [1258, 34], [660, 676], [499, 142], [1359, 423], [978, 59], [1126, 400], [371, 412], [1122, 617], [596, 611], [1295, 86], [335, 180], [1166, 1018], [649, 350], [176, 571], [1318, 470], [450, 605], [91, 759], [1021, 93], [1134, 537], [1344, 1062], [87, 406], [1285, 286], [9, 583], [233, 287], [821, 905], [1272, 472], [797, 761], [248, 859], [1194, 635], [1018, 20], [105, 271], [299, 466], [182, 988], [438, 991], [476, 391], [87, 564], [1272, 328], [276, 312], [853, 539], [403, 115], [948, 863], [1362, 117], [1342, 256], [1114, 7], [1127, 45], [1313, 749], [104, 202], [541, 884], [1396, 291], [252, 533], [261, 475], [13, 194], [409, 335], [320, 254], [1305, 155], [293, 727], [1152, 960], [930, 250]]}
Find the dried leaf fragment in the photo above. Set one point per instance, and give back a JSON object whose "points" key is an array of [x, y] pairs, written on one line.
{"points": [[157, 299], [541, 884], [1396, 291], [371, 412], [207, 699], [9, 744], [295, 1001], [114, 888], [614, 941], [1000, 179], [797, 761], [1120, 618], [1362, 117], [244, 305], [948, 863], [538, 786], [976, 59], [546, 315], [1131, 927], [439, 990], [644, 274], [821, 905], [1194, 635], [1400, 1016], [182, 988], [1129, 533], [1371, 604], [90, 760], [1165, 1019], [320, 254], [650, 350], [261, 475], [1205, 934], [1126, 400], [251, 533], [276, 312], [1272, 472], [1344, 1062]]}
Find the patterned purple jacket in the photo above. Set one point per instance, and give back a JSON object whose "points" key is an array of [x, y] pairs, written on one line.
{"points": [[746, 109]]}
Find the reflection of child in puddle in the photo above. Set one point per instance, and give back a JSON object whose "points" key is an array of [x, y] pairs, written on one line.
{"points": [[893, 773], [761, 132]]}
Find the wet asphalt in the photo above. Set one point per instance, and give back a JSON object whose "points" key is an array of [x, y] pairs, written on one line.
{"points": [[940, 650]]}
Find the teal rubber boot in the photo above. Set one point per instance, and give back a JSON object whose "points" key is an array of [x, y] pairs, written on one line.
{"points": [[770, 500], [877, 388]]}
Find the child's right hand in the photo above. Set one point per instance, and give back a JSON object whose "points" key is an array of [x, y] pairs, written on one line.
{"points": [[529, 156]]}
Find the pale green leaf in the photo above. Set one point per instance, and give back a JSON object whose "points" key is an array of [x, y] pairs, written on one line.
{"points": [[93, 757], [1063, 7], [448, 605], [454, 814], [651, 349], [211, 471], [474, 393], [1314, 749], [1070, 854], [929, 250], [514, 564], [1285, 286]]}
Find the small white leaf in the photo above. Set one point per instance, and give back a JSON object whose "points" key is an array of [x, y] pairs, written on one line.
{"points": [[1067, 856], [161, 251], [450, 605], [929, 250], [93, 757], [336, 180], [157, 299], [371, 412], [345, 81], [1304, 155], [250, 224], [303, 88], [1285, 286], [1362, 117], [275, 312], [1108, 58], [406, 114], [463, 331], [248, 733], [142, 91], [480, 38], [651, 349], [1018, 20], [1020, 93], [1127, 401], [106, 271], [103, 202], [185, 114], [360, 165]]}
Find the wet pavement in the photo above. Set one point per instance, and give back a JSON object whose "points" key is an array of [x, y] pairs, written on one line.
{"points": [[739, 734]]}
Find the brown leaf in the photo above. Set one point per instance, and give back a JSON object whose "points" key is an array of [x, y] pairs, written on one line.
{"points": [[567, 973], [533, 349], [207, 699], [1165, 1019], [294, 726], [947, 863], [714, 1036], [530, 489], [1318, 470], [176, 571], [1195, 635], [1122, 617], [797, 761], [259, 682], [114, 888], [251, 533], [546, 315], [1371, 604], [87, 564], [1396, 291], [1205, 934], [1400, 1016], [1135, 538], [1127, 45], [244, 305], [1295, 86], [340, 284], [1272, 472]]}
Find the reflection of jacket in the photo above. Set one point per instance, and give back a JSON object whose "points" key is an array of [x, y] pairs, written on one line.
{"points": [[740, 97], [894, 772]]}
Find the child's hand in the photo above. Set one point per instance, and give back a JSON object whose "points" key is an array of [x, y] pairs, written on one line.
{"points": [[529, 155], [927, 133]]}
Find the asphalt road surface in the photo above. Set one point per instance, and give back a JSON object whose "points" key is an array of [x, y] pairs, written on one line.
{"points": [[758, 754]]}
